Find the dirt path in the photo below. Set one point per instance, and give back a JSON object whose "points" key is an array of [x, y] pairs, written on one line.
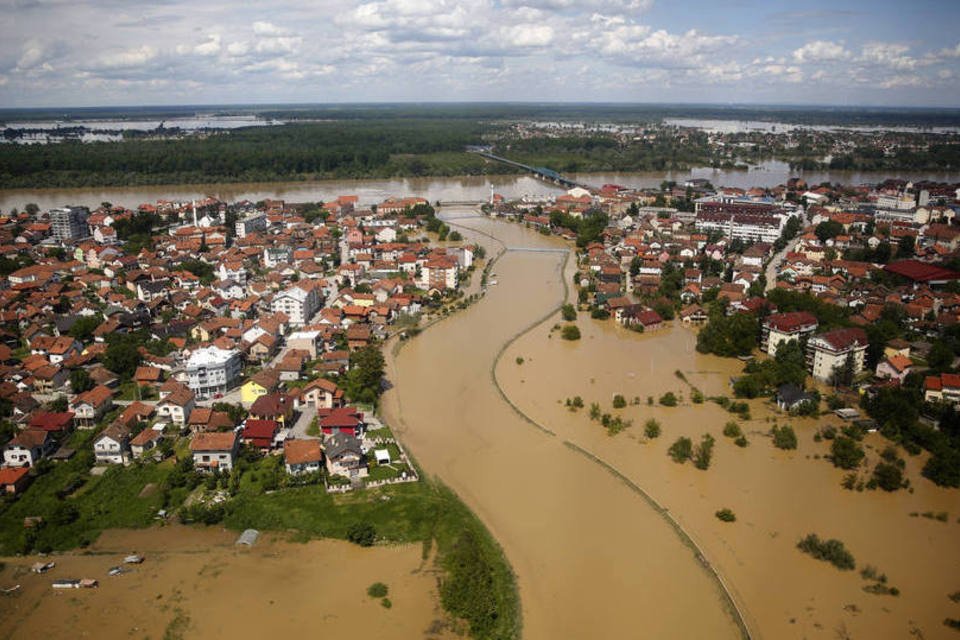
{"points": [[592, 558]]}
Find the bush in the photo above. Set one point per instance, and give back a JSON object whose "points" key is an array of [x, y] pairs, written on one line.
{"points": [[599, 314], [703, 453], [846, 453], [568, 312], [386, 604], [570, 332], [651, 429], [377, 590], [668, 399], [726, 515], [619, 402], [696, 396], [362, 533], [741, 442], [784, 437], [519, 360], [732, 430], [831, 551], [889, 477], [681, 450]]}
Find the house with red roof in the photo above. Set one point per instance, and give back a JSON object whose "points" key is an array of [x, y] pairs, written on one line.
{"points": [[942, 388], [260, 433], [27, 447], [346, 420], [13, 480], [895, 367]]}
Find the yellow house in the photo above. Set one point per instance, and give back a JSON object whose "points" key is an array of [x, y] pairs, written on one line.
{"points": [[259, 384]]}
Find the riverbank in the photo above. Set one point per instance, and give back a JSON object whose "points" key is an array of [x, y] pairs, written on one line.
{"points": [[198, 583], [777, 496], [591, 558]]}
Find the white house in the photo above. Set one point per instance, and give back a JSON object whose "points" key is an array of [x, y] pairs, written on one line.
{"points": [[212, 370], [215, 450], [112, 446], [302, 456], [26, 448], [176, 402]]}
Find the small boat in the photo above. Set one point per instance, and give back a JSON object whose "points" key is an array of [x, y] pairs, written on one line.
{"points": [[89, 583], [133, 559], [493, 282], [115, 571], [10, 590], [40, 567]]}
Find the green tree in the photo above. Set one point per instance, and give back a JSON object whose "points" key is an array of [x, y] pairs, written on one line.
{"points": [[568, 312], [80, 381], [570, 332], [784, 437], [828, 229], [845, 452], [363, 383], [681, 450]]}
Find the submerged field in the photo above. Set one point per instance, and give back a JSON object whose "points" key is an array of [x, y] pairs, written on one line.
{"points": [[198, 583], [777, 496]]}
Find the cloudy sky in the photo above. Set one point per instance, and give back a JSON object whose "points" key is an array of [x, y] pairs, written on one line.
{"points": [[126, 52]]}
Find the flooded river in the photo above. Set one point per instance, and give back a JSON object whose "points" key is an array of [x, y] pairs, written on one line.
{"points": [[777, 496], [592, 559], [464, 188], [195, 583]]}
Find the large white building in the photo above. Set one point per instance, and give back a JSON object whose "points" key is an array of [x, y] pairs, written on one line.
{"points": [[212, 370], [299, 303], [438, 273], [69, 223], [827, 352], [783, 327]]}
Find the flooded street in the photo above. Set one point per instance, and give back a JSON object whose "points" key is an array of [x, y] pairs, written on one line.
{"points": [[592, 558], [777, 496], [196, 583]]}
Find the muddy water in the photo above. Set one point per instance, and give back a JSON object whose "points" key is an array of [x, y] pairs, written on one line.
{"points": [[463, 188], [777, 496], [592, 559], [196, 583]]}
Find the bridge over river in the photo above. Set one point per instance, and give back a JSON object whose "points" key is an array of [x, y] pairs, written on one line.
{"points": [[543, 173]]}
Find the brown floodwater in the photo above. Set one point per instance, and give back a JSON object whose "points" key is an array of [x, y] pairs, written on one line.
{"points": [[777, 496], [592, 558], [460, 188], [195, 583]]}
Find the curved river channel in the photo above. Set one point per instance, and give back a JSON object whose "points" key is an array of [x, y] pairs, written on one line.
{"points": [[593, 558]]}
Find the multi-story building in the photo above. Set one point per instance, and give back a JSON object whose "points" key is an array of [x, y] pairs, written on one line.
{"points": [[942, 388], [70, 223], [783, 327], [300, 303], [438, 273], [251, 224], [212, 370], [827, 353], [751, 222]]}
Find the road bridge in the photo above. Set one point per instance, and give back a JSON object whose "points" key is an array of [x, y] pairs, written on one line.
{"points": [[543, 173]]}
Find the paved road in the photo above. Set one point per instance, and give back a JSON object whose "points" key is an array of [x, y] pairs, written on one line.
{"points": [[773, 267]]}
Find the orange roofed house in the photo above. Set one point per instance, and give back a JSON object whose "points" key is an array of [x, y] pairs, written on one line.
{"points": [[215, 450]]}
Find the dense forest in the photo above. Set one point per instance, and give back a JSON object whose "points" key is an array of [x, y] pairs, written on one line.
{"points": [[351, 149], [380, 141]]}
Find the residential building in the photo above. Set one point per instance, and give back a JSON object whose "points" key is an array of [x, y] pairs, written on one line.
{"points": [[212, 370], [112, 446], [302, 456], [70, 223], [251, 224], [895, 367], [90, 406], [27, 447], [260, 384], [438, 273], [783, 327], [942, 388], [344, 455], [273, 406], [176, 403], [13, 480], [145, 441], [260, 434], [216, 450], [322, 394], [828, 352], [299, 302]]}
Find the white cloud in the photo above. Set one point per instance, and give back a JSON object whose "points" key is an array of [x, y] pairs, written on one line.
{"points": [[527, 35], [127, 58], [820, 51], [889, 55]]}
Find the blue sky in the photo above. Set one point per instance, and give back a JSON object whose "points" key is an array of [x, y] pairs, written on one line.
{"points": [[101, 52]]}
